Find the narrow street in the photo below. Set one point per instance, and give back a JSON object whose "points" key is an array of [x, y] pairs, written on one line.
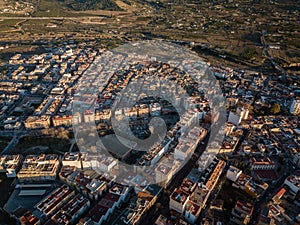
{"points": [[176, 182]]}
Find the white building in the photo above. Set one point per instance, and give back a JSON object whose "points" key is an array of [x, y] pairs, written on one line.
{"points": [[192, 212], [178, 200], [243, 113], [10, 164], [99, 162], [186, 146], [233, 173], [85, 161], [164, 173], [183, 150], [197, 201], [96, 188], [295, 107], [72, 159], [204, 161], [188, 120]]}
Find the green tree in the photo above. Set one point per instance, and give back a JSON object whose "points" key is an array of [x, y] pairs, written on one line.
{"points": [[249, 53], [275, 108]]}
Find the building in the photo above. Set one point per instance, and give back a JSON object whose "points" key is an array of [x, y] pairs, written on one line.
{"points": [[100, 163], [75, 159], [243, 113], [96, 188], [37, 122], [102, 115], [241, 213], [247, 184], [139, 208], [281, 210], [66, 121], [186, 146], [71, 211], [213, 174], [262, 164], [53, 202], [10, 164], [192, 212], [234, 118], [205, 160], [233, 173], [155, 109], [183, 150], [29, 219], [178, 200], [277, 197], [101, 212], [295, 107], [161, 220], [196, 203], [12, 123], [293, 182], [93, 188], [116, 194], [188, 120], [264, 169], [164, 174], [155, 153], [86, 161], [39, 168], [89, 116], [264, 219], [191, 197]]}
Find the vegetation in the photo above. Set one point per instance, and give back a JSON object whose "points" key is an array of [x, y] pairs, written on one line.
{"points": [[230, 195], [49, 8], [60, 8], [80, 5], [53, 141], [275, 109], [8, 25], [60, 133], [4, 142], [249, 53]]}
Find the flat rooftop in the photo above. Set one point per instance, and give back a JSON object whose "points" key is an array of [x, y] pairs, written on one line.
{"points": [[27, 201]]}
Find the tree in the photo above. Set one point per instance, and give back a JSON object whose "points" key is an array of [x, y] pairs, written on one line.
{"points": [[281, 160], [275, 109], [249, 53], [157, 205]]}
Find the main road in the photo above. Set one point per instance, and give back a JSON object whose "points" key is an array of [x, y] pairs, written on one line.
{"points": [[47, 17], [265, 44]]}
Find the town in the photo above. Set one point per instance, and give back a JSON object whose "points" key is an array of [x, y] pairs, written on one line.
{"points": [[266, 187], [76, 114]]}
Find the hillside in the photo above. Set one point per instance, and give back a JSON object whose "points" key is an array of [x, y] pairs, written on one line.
{"points": [[80, 5], [54, 7]]}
